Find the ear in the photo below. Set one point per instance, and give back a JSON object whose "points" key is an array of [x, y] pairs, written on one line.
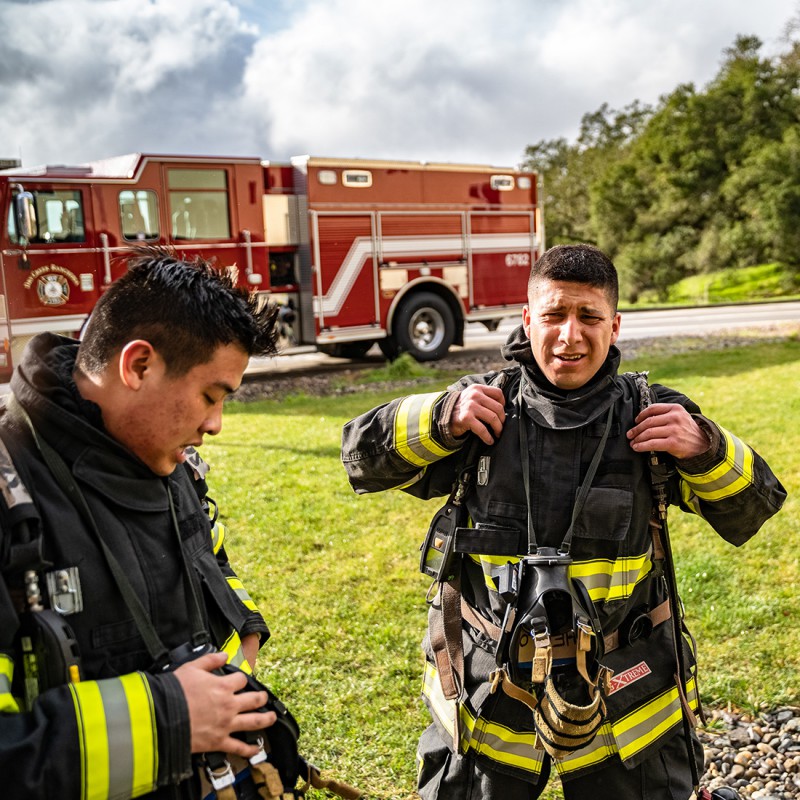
{"points": [[136, 359], [526, 321], [615, 324]]}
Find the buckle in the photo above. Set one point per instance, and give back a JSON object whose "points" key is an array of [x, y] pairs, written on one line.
{"points": [[222, 776], [261, 756]]}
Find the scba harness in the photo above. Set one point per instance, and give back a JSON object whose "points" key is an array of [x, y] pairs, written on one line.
{"points": [[549, 648]]}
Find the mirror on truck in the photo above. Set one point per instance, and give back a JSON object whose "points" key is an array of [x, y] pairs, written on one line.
{"points": [[24, 216]]}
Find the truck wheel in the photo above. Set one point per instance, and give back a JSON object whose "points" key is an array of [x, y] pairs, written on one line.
{"points": [[424, 327]]}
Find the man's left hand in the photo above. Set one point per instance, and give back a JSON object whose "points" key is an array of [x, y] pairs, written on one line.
{"points": [[668, 428]]}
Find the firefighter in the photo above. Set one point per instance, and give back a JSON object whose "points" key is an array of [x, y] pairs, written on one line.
{"points": [[118, 607], [562, 464]]}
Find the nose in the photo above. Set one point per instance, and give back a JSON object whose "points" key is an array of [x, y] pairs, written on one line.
{"points": [[570, 331], [212, 424]]}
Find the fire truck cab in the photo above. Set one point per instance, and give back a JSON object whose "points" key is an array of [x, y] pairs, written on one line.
{"points": [[355, 252]]}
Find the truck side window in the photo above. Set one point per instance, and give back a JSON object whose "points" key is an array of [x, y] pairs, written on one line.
{"points": [[138, 215], [198, 204], [59, 217]]}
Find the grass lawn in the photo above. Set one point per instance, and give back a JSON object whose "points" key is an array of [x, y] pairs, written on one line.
{"points": [[337, 578]]}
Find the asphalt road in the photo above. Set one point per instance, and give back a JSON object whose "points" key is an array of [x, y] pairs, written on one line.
{"points": [[635, 325]]}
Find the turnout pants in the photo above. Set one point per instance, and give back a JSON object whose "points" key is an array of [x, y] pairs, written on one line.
{"points": [[663, 776]]}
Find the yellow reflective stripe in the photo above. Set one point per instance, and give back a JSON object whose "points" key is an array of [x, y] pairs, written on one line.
{"points": [[242, 594], [611, 580], [599, 749], [690, 498], [652, 720], [143, 731], [732, 476], [233, 649], [412, 430], [604, 579], [7, 702], [117, 737], [492, 566], [217, 536], [498, 742]]}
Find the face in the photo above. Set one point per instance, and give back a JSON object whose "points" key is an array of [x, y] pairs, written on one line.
{"points": [[571, 327], [168, 413]]}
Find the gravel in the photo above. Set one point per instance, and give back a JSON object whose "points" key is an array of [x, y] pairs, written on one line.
{"points": [[759, 755]]}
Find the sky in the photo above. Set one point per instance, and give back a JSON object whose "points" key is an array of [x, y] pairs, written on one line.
{"points": [[466, 81]]}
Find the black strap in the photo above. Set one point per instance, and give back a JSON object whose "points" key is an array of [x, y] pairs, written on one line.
{"points": [[61, 472], [658, 476], [583, 491]]}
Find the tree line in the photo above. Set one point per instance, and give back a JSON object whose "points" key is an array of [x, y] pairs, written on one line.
{"points": [[705, 180]]}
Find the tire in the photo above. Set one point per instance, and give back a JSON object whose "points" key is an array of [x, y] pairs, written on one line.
{"points": [[424, 327]]}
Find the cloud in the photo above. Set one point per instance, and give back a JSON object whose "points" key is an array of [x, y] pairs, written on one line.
{"points": [[123, 75], [423, 79]]}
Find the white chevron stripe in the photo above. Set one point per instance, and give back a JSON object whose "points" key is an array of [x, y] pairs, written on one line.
{"points": [[360, 253]]}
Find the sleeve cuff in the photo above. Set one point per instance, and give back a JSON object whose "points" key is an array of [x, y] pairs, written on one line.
{"points": [[174, 729], [444, 411], [697, 465]]}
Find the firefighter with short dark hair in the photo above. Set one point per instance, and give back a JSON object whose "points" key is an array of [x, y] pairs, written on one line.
{"points": [[562, 469], [118, 607]]}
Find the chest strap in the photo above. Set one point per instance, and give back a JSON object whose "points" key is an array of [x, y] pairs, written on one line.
{"points": [[659, 614]]}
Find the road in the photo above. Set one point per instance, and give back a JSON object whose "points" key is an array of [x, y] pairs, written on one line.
{"points": [[635, 325]]}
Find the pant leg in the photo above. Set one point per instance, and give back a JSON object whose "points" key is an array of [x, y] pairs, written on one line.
{"points": [[444, 776], [664, 776]]}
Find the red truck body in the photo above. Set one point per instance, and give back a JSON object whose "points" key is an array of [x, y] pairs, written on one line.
{"points": [[355, 251]]}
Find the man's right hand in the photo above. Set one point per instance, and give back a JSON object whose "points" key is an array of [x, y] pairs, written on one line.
{"points": [[481, 410], [216, 711]]}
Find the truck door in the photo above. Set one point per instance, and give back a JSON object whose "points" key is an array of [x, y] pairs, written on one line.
{"points": [[345, 281], [50, 281]]}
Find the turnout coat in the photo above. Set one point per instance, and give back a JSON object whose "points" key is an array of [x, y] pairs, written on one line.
{"points": [[123, 730], [406, 444]]}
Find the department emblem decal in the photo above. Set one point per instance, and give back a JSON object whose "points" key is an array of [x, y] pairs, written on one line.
{"points": [[53, 289]]}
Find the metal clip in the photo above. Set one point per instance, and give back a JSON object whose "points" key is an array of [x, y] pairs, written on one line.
{"points": [[64, 589], [483, 470]]}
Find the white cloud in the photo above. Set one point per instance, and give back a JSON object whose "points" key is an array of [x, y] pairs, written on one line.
{"points": [[428, 79]]}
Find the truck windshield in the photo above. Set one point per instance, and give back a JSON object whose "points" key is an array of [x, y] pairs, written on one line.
{"points": [[59, 218]]}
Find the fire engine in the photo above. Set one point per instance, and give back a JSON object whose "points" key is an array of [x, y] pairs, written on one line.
{"points": [[354, 251]]}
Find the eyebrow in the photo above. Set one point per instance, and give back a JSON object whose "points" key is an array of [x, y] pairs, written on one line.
{"points": [[226, 387]]}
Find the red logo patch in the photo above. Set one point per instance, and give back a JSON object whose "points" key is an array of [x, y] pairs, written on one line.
{"points": [[641, 670]]}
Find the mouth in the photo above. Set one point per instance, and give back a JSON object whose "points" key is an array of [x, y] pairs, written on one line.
{"points": [[570, 358]]}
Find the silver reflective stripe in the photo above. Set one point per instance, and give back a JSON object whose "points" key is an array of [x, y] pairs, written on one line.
{"points": [[120, 744], [12, 488]]}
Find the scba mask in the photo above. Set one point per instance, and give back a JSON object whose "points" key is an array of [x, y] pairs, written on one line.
{"points": [[550, 651]]}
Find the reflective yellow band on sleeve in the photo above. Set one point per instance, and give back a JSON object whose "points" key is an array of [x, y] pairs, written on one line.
{"points": [[242, 594], [733, 475], [217, 536], [236, 658], [117, 737], [7, 702], [413, 425]]}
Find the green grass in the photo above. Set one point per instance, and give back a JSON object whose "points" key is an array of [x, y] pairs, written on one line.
{"points": [[336, 575], [773, 281]]}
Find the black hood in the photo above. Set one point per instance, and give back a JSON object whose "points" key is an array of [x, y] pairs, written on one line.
{"points": [[554, 407], [43, 385]]}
